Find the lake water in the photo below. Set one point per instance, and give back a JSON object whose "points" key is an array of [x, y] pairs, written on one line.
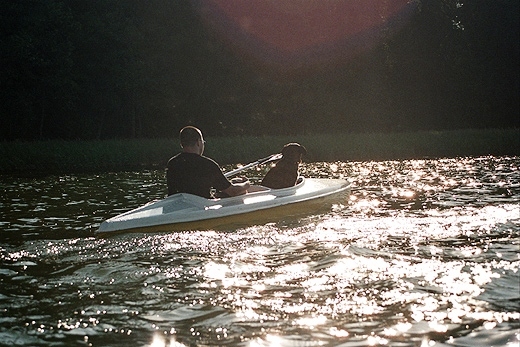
{"points": [[424, 253]]}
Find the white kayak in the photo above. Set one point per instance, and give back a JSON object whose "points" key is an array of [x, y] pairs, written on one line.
{"points": [[190, 212]]}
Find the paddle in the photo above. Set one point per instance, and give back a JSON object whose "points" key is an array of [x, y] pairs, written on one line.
{"points": [[272, 157]]}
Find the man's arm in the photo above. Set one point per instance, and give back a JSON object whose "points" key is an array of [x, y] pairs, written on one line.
{"points": [[237, 188]]}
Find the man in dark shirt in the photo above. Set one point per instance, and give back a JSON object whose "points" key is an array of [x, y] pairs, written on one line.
{"points": [[191, 172]]}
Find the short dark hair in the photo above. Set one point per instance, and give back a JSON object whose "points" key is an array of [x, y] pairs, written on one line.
{"points": [[189, 136], [293, 151]]}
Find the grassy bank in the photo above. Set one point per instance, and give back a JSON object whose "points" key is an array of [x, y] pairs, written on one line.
{"points": [[119, 155]]}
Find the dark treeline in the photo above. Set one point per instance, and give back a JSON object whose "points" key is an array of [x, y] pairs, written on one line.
{"points": [[78, 69]]}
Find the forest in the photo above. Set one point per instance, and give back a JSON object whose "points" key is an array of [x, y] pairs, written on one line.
{"points": [[111, 69]]}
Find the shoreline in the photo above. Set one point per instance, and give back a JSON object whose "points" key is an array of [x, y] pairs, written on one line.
{"points": [[61, 157]]}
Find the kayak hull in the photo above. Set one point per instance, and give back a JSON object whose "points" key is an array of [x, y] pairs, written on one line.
{"points": [[181, 212]]}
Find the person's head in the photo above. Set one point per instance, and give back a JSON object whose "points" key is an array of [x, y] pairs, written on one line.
{"points": [[192, 140], [293, 152]]}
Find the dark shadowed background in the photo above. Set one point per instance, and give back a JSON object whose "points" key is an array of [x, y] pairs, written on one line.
{"points": [[75, 69]]}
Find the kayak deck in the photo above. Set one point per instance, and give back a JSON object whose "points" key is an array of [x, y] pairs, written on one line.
{"points": [[190, 212]]}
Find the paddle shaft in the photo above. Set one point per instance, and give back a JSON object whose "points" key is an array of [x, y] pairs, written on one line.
{"points": [[272, 157]]}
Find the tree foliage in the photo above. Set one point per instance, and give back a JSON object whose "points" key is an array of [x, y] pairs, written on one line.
{"points": [[76, 69]]}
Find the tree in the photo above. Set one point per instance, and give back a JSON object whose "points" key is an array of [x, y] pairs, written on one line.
{"points": [[36, 58]]}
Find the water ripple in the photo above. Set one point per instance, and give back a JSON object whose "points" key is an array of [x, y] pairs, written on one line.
{"points": [[425, 252]]}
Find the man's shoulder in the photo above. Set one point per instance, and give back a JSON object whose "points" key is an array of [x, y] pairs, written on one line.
{"points": [[184, 156], [208, 159], [174, 158], [192, 158]]}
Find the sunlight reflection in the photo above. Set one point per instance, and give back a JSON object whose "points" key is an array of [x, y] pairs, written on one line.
{"points": [[438, 327], [407, 194], [490, 325], [248, 313], [289, 272], [482, 274], [158, 341], [272, 341], [338, 332], [216, 271], [364, 203], [259, 287], [311, 322], [365, 206], [376, 341], [316, 284], [397, 329], [161, 341]]}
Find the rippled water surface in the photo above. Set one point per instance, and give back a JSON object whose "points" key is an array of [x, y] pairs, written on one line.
{"points": [[424, 253]]}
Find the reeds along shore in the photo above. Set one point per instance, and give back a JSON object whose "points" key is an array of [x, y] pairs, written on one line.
{"points": [[44, 157]]}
